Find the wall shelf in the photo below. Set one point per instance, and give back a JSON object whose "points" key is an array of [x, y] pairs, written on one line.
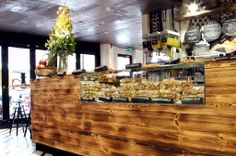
{"points": [[205, 13]]}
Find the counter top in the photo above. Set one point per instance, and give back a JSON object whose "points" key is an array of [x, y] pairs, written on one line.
{"points": [[61, 120]]}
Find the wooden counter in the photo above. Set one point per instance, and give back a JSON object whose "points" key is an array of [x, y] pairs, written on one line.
{"points": [[60, 120]]}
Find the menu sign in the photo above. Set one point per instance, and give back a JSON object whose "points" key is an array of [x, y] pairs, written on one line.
{"points": [[229, 27], [193, 35], [212, 31]]}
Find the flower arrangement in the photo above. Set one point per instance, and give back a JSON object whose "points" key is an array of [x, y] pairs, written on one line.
{"points": [[61, 41]]}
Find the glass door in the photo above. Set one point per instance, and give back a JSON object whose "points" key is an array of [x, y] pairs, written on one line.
{"points": [[40, 54], [19, 78]]}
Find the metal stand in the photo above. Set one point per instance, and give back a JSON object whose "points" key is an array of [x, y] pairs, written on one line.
{"points": [[19, 114]]}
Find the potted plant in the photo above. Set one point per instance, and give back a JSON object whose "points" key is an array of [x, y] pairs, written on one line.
{"points": [[61, 41]]}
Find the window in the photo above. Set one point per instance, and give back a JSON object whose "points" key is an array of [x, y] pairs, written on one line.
{"points": [[1, 113], [40, 54], [18, 65], [87, 61]]}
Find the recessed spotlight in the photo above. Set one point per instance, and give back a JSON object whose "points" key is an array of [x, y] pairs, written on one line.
{"points": [[81, 22], [101, 23]]}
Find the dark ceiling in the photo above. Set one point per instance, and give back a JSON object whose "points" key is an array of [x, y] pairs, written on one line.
{"points": [[118, 22]]}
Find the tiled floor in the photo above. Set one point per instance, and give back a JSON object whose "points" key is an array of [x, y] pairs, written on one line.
{"points": [[12, 145]]}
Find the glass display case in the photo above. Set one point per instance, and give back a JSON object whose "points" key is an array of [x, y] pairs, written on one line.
{"points": [[167, 84]]}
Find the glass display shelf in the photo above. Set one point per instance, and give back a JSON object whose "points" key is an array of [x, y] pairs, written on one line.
{"points": [[182, 83]]}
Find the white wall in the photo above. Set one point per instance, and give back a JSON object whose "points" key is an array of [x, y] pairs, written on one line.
{"points": [[106, 55], [110, 53]]}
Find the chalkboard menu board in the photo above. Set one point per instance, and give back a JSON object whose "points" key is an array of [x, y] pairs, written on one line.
{"points": [[193, 35], [212, 31], [229, 27]]}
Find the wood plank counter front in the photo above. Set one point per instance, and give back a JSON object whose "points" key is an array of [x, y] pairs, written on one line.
{"points": [[60, 120]]}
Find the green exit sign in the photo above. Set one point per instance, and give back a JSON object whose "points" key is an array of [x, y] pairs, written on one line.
{"points": [[128, 49]]}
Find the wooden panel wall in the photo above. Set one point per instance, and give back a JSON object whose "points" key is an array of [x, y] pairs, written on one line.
{"points": [[60, 120]]}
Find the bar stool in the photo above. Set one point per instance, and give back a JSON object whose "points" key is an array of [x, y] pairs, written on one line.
{"points": [[28, 125]]}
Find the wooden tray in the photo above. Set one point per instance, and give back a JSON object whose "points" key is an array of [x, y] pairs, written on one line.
{"points": [[45, 72]]}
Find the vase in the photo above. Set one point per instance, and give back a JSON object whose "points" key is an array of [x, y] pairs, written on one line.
{"points": [[52, 59], [62, 63]]}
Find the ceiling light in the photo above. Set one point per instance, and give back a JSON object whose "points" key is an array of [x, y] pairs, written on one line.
{"points": [[193, 7], [108, 9], [81, 22], [119, 24], [91, 30], [19, 9], [105, 32], [122, 38]]}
